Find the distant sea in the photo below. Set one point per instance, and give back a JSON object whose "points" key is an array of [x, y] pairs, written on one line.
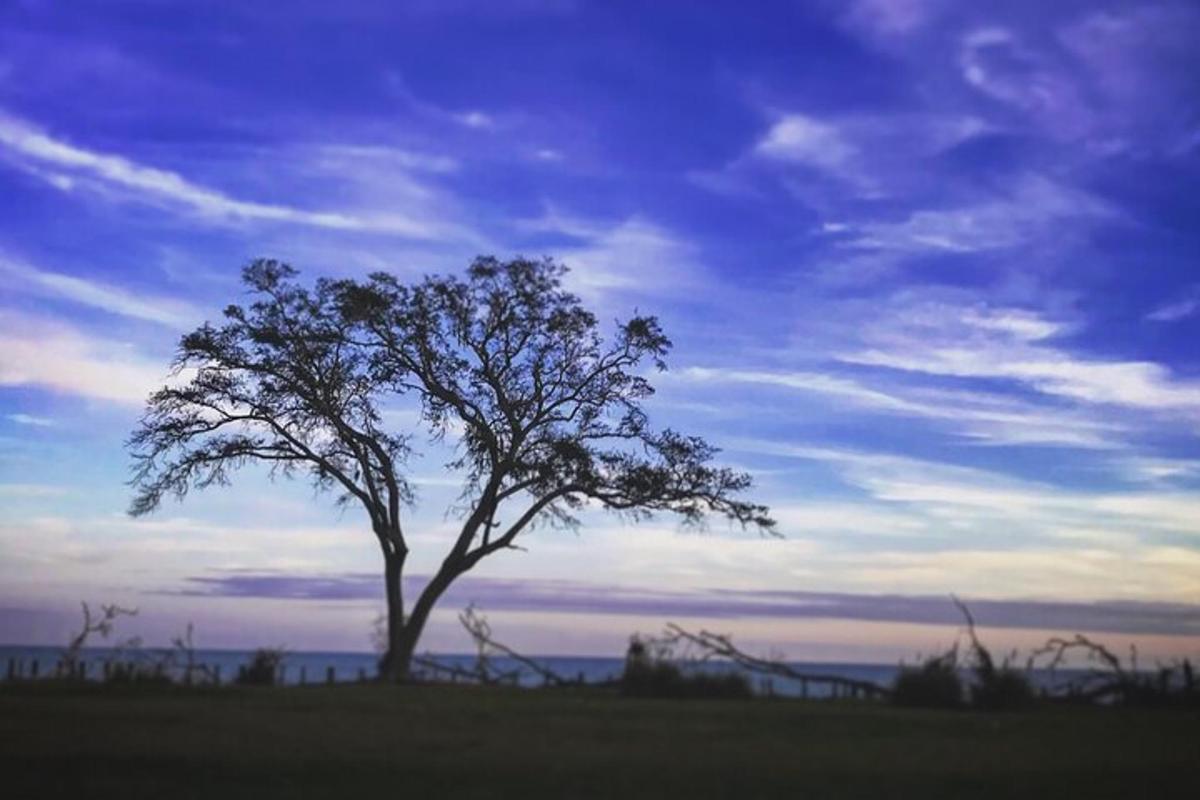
{"points": [[315, 667]]}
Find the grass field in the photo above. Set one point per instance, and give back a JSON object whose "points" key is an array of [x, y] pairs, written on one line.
{"points": [[465, 742]]}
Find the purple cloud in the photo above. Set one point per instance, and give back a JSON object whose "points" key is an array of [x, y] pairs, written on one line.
{"points": [[564, 596]]}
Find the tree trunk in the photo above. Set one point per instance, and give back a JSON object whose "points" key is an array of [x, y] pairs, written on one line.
{"points": [[392, 666], [397, 663]]}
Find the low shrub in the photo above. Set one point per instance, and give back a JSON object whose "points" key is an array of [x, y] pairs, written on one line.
{"points": [[129, 672], [263, 669], [1002, 689], [934, 684], [648, 675]]}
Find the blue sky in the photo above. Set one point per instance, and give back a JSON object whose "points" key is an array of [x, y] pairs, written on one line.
{"points": [[930, 269]]}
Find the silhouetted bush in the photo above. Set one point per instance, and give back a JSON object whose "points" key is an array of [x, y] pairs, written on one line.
{"points": [[934, 684], [662, 679], [1002, 689], [654, 675], [996, 688], [129, 672], [263, 669]]}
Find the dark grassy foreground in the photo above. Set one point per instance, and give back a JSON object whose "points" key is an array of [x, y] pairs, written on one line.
{"points": [[456, 742]]}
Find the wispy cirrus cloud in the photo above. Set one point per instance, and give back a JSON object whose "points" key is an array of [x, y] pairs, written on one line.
{"points": [[1032, 209], [30, 490], [631, 255], [63, 359], [1175, 310], [979, 417], [31, 420], [165, 311], [30, 145], [994, 506], [1111, 78], [1016, 345]]}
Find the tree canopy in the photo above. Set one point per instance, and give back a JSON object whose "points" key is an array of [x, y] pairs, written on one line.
{"points": [[545, 414]]}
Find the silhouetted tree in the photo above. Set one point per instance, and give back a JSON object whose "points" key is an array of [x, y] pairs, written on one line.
{"points": [[547, 414]]}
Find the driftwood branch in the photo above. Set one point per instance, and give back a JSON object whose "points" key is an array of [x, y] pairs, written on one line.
{"points": [[102, 625], [1112, 679], [717, 646], [486, 645]]}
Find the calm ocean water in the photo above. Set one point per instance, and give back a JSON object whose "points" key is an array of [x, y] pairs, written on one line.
{"points": [[315, 667]]}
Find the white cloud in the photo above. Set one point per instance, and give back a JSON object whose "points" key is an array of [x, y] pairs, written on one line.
{"points": [[876, 154], [475, 119], [1030, 211], [153, 184], [57, 357], [888, 18], [806, 140], [1179, 309], [1131, 573], [977, 502], [166, 311], [634, 255], [379, 159], [979, 342], [29, 419], [30, 490], [996, 62], [982, 418]]}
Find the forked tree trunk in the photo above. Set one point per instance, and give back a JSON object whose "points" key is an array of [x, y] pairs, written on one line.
{"points": [[404, 633], [393, 568]]}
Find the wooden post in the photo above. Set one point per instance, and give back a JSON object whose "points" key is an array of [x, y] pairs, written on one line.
{"points": [[33, 668], [81, 670], [12, 669], [303, 675], [281, 675], [329, 675], [216, 672], [107, 670]]}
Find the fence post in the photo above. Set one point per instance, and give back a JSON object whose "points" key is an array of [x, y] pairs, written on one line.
{"points": [[33, 668], [12, 669], [81, 670], [107, 670], [329, 675], [303, 674], [216, 674]]}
